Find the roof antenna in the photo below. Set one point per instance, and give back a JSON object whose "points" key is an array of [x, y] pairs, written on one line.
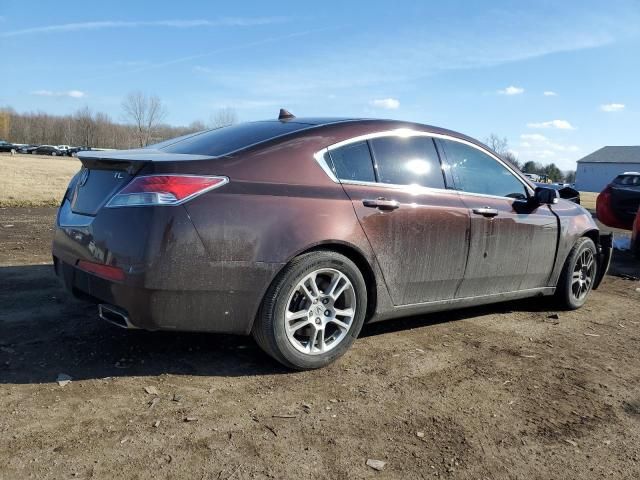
{"points": [[285, 115]]}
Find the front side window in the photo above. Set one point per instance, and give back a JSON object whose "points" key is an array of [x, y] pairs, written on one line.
{"points": [[353, 162], [407, 161], [476, 172]]}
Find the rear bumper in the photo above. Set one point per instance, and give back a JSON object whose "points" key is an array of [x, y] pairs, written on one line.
{"points": [[170, 282], [605, 249], [222, 310]]}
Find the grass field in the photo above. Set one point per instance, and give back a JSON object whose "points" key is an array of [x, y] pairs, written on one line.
{"points": [[34, 180], [588, 200]]}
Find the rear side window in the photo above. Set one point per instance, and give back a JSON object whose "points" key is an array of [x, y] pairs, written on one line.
{"points": [[407, 161], [225, 140], [476, 172], [628, 180], [353, 162]]}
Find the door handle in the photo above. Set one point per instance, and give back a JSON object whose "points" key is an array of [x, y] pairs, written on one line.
{"points": [[381, 203], [486, 212]]}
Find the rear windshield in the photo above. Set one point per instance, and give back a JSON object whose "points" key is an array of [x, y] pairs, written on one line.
{"points": [[631, 180], [225, 140]]}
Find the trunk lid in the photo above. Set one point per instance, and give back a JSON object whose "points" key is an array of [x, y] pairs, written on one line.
{"points": [[104, 173]]}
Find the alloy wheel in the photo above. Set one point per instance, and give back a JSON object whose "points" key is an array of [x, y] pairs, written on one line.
{"points": [[320, 311], [583, 274]]}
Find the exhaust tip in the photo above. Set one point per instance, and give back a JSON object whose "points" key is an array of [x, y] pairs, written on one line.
{"points": [[114, 316]]}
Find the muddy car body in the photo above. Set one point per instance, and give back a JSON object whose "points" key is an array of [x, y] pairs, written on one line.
{"points": [[310, 227]]}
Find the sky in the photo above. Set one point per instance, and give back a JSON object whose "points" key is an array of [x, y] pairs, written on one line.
{"points": [[558, 79]]}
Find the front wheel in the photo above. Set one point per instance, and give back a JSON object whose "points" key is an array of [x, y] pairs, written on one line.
{"points": [[578, 275], [313, 311]]}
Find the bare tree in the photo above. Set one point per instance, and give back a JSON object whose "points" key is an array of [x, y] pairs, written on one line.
{"points": [[146, 113], [5, 123], [197, 126], [85, 127], [501, 147], [497, 144], [223, 118]]}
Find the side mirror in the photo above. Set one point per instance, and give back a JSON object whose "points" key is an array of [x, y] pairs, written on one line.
{"points": [[546, 196]]}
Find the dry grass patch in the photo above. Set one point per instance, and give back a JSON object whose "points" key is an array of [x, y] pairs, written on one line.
{"points": [[588, 200], [34, 181]]}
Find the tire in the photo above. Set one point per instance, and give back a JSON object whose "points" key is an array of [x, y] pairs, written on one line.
{"points": [[293, 346], [54, 154], [575, 282]]}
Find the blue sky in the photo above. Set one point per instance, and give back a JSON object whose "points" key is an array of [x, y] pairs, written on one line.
{"points": [[473, 66]]}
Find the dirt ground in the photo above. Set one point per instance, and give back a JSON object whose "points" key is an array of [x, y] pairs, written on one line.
{"points": [[506, 391]]}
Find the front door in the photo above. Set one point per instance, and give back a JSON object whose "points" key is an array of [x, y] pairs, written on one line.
{"points": [[417, 229], [512, 244]]}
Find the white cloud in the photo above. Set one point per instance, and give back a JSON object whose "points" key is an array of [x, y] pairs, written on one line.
{"points": [[539, 148], [50, 93], [511, 90], [534, 146], [386, 103], [559, 124], [612, 107], [74, 27], [549, 93]]}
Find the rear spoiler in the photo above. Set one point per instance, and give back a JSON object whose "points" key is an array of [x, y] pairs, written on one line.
{"points": [[132, 160]]}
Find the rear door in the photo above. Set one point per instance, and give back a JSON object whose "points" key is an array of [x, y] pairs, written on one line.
{"points": [[417, 229], [513, 245]]}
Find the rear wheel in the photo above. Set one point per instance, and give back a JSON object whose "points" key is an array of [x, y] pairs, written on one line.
{"points": [[313, 311], [578, 275]]}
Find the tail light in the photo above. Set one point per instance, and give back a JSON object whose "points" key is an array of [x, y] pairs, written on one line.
{"points": [[164, 190], [604, 211]]}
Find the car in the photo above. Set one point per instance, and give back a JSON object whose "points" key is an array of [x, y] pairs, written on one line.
{"points": [[27, 148], [565, 190], [617, 205], [635, 236], [8, 147], [299, 230], [73, 151], [46, 150]]}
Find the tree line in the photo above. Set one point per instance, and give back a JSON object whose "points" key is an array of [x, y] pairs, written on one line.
{"points": [[143, 124], [501, 146]]}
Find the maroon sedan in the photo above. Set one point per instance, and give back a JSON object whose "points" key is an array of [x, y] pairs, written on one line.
{"points": [[298, 231]]}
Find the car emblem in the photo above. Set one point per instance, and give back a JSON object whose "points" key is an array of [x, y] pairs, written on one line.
{"points": [[118, 175], [84, 176]]}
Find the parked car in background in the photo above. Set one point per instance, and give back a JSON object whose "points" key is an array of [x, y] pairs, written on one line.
{"points": [[47, 150], [617, 205], [635, 236], [8, 147], [27, 148], [565, 191], [73, 151], [299, 230]]}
